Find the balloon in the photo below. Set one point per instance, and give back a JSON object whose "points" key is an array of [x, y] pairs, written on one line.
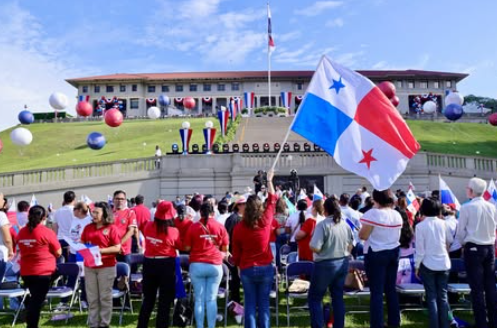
{"points": [[58, 100], [453, 112], [1, 145], [113, 118], [164, 100], [186, 125], [189, 103], [153, 112], [26, 117], [429, 107], [84, 108], [388, 88], [454, 98], [209, 124], [96, 141], [21, 137], [395, 101], [492, 119]]}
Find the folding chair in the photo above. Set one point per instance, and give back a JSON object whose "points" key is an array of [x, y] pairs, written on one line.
{"points": [[13, 293], [458, 267], [357, 294], [284, 251], [69, 272], [224, 291], [274, 294], [413, 290], [123, 273], [295, 270], [292, 257], [135, 281], [184, 260]]}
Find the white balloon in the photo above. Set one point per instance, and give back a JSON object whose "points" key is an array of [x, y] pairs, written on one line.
{"points": [[209, 124], [153, 112], [454, 98], [21, 137], [58, 100], [186, 125], [429, 107]]}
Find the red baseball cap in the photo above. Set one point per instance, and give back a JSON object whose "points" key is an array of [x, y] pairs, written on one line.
{"points": [[165, 211]]}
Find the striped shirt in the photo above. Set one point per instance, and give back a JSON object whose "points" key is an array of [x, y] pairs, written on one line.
{"points": [[386, 223]]}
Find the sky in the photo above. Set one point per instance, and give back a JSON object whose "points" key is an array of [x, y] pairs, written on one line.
{"points": [[44, 42]]}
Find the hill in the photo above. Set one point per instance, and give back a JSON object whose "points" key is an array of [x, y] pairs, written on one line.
{"points": [[61, 144]]}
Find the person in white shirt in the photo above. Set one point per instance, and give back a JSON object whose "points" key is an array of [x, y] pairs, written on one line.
{"points": [[222, 208], [6, 250], [476, 232], [63, 220], [22, 213], [432, 261], [449, 213], [262, 194], [353, 219], [381, 231], [295, 220], [364, 194], [158, 156]]}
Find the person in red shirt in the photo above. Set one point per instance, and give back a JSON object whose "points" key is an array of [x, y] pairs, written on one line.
{"points": [[142, 214], [207, 240], [100, 279], [183, 220], [39, 248], [161, 242], [252, 254], [125, 222], [304, 235]]}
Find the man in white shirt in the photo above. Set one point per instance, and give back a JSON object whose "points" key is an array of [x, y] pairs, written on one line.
{"points": [[352, 218], [63, 219], [364, 194], [476, 232]]}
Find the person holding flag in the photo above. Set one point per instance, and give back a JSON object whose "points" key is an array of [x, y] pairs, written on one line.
{"points": [[304, 235]]}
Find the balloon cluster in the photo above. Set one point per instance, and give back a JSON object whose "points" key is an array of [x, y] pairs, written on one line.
{"points": [[453, 106], [388, 88], [430, 100]]}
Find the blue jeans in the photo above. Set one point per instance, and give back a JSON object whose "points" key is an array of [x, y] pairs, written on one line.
{"points": [[257, 281], [328, 274], [205, 279], [435, 283], [381, 269]]}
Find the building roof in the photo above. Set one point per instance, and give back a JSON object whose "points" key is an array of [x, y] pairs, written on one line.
{"points": [[244, 75]]}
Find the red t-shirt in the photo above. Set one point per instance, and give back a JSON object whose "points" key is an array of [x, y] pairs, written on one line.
{"points": [[182, 226], [38, 249], [104, 237], [205, 241], [142, 214], [274, 227], [251, 245], [305, 253], [160, 245], [123, 220]]}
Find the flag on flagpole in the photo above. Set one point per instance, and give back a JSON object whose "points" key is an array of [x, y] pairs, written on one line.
{"points": [[447, 196], [271, 45], [317, 195], [412, 201], [491, 192], [34, 201], [346, 115]]}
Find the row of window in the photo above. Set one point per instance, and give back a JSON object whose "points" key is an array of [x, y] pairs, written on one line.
{"points": [[178, 88], [422, 84]]}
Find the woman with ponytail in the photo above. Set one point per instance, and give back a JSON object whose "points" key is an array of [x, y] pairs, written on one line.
{"points": [[381, 228], [207, 241], [39, 248], [303, 237], [331, 243]]}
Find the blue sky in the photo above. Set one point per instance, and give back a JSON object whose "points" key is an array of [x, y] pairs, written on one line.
{"points": [[43, 42]]}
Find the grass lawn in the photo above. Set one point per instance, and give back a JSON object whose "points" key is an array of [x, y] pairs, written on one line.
{"points": [[56, 144]]}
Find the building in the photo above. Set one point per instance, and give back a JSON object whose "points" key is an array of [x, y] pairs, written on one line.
{"points": [[134, 93]]}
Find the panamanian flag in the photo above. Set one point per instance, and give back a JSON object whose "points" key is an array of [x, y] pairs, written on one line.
{"points": [[491, 192], [446, 194], [345, 114]]}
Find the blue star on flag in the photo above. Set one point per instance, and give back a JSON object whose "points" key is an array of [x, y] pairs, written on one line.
{"points": [[337, 85]]}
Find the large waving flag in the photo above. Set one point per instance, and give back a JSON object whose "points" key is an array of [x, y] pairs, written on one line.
{"points": [[270, 44], [491, 192], [345, 114], [447, 196]]}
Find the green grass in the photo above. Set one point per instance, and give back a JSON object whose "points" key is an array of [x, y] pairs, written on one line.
{"points": [[56, 144]]}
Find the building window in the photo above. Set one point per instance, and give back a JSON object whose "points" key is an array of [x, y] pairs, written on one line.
{"points": [[179, 88], [96, 89], [134, 88], [151, 88], [207, 87], [221, 87], [122, 88], [410, 84], [300, 85], [193, 87], [423, 84], [436, 84], [398, 84], [235, 86], [109, 89], [448, 84], [165, 88], [84, 89], [134, 103]]}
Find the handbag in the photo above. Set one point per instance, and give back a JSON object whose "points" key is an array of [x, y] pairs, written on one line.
{"points": [[10, 285], [354, 280], [299, 286]]}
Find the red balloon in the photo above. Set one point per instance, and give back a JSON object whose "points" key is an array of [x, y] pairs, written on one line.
{"points": [[84, 108], [395, 101], [113, 118], [492, 119], [1, 145], [388, 88], [189, 103]]}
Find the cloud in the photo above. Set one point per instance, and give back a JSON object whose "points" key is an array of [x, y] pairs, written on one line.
{"points": [[288, 36], [337, 22], [318, 7], [307, 55]]}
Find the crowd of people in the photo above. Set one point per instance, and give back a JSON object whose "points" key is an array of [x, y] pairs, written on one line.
{"points": [[245, 232]]}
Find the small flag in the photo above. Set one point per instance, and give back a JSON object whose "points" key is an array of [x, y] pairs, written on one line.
{"points": [[351, 224], [317, 194], [491, 192], [412, 201], [447, 196], [86, 200], [91, 254], [34, 201], [12, 213], [110, 202], [302, 195], [271, 45], [411, 186]]}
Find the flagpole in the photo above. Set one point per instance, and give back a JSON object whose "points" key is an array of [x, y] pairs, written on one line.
{"points": [[269, 66]]}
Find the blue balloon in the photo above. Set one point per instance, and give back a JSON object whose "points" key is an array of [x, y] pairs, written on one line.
{"points": [[26, 117], [164, 100], [96, 141], [453, 112]]}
